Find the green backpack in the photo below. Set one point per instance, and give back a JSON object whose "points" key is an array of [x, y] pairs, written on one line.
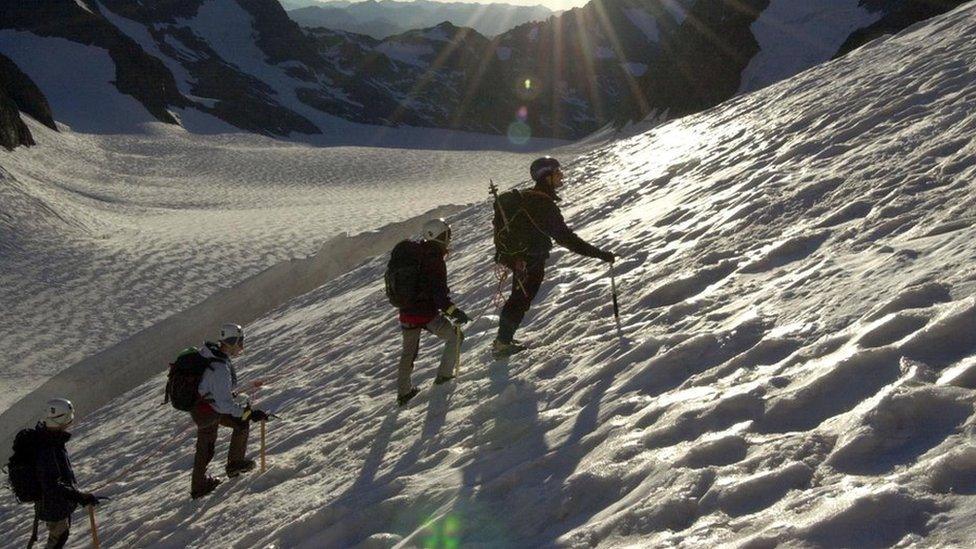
{"points": [[509, 227]]}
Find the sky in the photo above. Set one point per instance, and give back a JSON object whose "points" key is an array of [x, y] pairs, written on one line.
{"points": [[555, 5]]}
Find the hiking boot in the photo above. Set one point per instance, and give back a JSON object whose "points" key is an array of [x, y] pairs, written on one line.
{"points": [[235, 468], [209, 485], [404, 399], [500, 349], [442, 379]]}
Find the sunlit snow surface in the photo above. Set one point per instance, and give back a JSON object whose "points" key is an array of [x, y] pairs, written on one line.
{"points": [[119, 221], [797, 295], [104, 235]]}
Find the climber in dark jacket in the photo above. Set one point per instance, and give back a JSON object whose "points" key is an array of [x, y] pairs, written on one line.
{"points": [[538, 221], [59, 494], [432, 311]]}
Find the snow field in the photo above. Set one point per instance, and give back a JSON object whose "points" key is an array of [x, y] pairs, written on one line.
{"points": [[109, 231], [799, 308], [137, 358], [106, 235]]}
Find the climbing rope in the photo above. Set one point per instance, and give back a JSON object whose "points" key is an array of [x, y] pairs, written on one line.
{"points": [[180, 435]]}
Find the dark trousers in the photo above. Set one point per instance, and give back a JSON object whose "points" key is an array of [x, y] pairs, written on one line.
{"points": [[525, 285], [57, 533], [207, 424]]}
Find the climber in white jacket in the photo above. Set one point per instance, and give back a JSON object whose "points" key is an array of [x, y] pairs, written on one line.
{"points": [[218, 406]]}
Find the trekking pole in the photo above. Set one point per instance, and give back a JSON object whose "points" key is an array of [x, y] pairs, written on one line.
{"points": [[616, 308], [94, 527], [264, 466]]}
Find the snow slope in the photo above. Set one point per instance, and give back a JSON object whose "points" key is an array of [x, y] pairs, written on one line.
{"points": [[798, 363], [795, 35], [119, 221], [106, 235]]}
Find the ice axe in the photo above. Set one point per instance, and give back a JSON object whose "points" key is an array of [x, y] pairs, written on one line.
{"points": [[264, 466], [616, 308], [94, 527]]}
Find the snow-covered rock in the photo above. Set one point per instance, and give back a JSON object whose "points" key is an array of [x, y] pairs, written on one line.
{"points": [[13, 131], [19, 93], [25, 93]]}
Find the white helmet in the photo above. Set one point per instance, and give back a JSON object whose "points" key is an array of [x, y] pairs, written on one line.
{"points": [[437, 230], [231, 333], [59, 413]]}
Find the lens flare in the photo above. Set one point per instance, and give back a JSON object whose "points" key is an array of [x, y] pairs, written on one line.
{"points": [[523, 113], [443, 534], [527, 87], [519, 132]]}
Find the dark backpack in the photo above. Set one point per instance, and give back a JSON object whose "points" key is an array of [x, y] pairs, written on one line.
{"points": [[20, 468], [404, 278], [509, 224], [183, 382]]}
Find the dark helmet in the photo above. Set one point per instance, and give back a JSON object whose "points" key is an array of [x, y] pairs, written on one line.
{"points": [[541, 167]]}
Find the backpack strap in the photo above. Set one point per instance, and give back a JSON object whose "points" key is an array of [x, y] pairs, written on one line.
{"points": [[540, 193], [210, 361], [33, 538], [510, 219], [522, 209], [505, 218]]}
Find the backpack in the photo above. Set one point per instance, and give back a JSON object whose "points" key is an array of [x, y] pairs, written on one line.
{"points": [[404, 279], [183, 381], [510, 237], [20, 468]]}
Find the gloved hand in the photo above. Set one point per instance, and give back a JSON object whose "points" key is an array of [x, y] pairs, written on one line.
{"points": [[259, 415], [607, 256], [85, 499], [457, 315]]}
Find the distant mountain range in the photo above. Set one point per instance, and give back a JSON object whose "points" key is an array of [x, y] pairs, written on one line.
{"points": [[612, 61], [295, 4], [388, 17]]}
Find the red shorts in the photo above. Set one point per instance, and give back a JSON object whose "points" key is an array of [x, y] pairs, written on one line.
{"points": [[416, 320]]}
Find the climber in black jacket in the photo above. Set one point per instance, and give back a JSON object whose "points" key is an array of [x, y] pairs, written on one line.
{"points": [[538, 222], [59, 495]]}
